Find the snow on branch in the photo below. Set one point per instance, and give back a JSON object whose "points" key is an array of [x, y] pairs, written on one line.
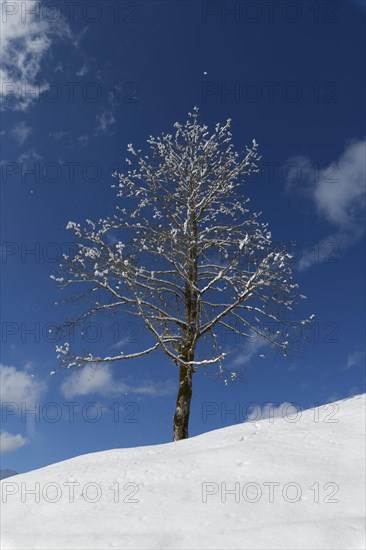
{"points": [[182, 251]]}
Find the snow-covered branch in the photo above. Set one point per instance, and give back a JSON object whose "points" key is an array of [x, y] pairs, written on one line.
{"points": [[183, 252]]}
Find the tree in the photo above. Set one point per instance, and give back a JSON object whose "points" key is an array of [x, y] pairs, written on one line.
{"points": [[188, 256]]}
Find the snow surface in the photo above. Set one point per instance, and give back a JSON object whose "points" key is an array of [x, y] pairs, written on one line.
{"points": [[170, 512]]}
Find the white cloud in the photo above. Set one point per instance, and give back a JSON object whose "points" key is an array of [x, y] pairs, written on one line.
{"points": [[128, 339], [341, 197], [328, 249], [29, 156], [82, 71], [337, 192], [90, 379], [106, 120], [10, 442], [97, 378], [19, 386], [26, 40], [269, 411], [250, 350], [59, 68], [57, 135], [21, 132], [154, 389], [356, 359]]}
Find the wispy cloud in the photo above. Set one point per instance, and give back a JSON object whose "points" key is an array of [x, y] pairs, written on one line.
{"points": [[29, 156], [57, 135], [123, 342], [25, 43], [27, 161], [21, 132], [82, 71], [19, 386], [249, 351], [10, 442], [341, 198], [329, 247], [106, 119], [99, 379], [105, 122], [269, 411], [338, 194], [356, 359]]}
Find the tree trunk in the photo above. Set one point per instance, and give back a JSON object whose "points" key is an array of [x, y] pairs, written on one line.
{"points": [[183, 405]]}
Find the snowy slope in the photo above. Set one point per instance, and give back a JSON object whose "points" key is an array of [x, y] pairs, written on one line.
{"points": [[170, 512]]}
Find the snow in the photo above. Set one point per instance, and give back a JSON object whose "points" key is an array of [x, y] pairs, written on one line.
{"points": [[190, 185], [243, 242], [180, 503]]}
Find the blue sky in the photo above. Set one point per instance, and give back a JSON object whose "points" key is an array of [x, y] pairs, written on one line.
{"points": [[77, 87]]}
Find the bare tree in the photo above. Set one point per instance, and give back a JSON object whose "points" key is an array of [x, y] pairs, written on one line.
{"points": [[197, 259]]}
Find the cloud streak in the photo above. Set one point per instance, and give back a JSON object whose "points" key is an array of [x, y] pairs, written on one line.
{"points": [[338, 194], [356, 359], [249, 351], [19, 386], [21, 132], [98, 379], [10, 442], [269, 411], [26, 41]]}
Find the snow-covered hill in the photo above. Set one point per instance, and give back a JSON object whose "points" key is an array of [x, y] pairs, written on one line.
{"points": [[297, 485]]}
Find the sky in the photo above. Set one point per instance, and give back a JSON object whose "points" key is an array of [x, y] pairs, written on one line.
{"points": [[79, 81]]}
